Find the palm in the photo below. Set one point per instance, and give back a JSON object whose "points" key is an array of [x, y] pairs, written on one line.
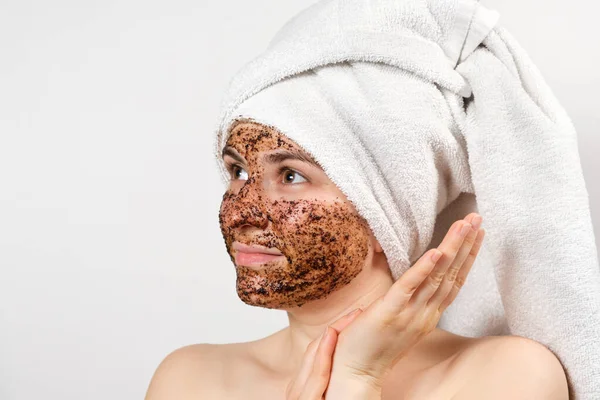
{"points": [[364, 346], [378, 338]]}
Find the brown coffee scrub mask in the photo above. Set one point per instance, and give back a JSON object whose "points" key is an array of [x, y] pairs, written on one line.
{"points": [[290, 205]]}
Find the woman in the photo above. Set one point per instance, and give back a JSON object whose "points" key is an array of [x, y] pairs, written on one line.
{"points": [[299, 245]]}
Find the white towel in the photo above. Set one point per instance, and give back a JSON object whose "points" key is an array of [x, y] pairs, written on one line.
{"points": [[422, 111]]}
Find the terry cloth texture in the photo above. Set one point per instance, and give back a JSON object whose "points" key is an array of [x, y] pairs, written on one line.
{"points": [[422, 111]]}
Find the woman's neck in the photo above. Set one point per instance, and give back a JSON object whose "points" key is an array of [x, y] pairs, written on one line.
{"points": [[309, 321]]}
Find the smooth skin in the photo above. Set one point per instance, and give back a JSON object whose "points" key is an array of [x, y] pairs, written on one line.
{"points": [[356, 353], [389, 350], [313, 377], [494, 368], [368, 348], [410, 309]]}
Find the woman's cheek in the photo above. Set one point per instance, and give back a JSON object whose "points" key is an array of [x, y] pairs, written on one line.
{"points": [[324, 236], [225, 220], [325, 244]]}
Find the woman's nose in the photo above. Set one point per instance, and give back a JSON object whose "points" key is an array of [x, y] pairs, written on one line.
{"points": [[251, 215], [250, 207]]}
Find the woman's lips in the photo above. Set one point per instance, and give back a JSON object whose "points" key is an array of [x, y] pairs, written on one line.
{"points": [[255, 248], [254, 259]]}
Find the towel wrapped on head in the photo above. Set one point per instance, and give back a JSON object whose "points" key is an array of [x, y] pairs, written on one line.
{"points": [[422, 111]]}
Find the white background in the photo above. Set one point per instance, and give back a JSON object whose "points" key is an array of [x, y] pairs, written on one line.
{"points": [[110, 250]]}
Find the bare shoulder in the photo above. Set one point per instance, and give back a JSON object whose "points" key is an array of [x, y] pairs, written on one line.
{"points": [[512, 367], [190, 372], [216, 371]]}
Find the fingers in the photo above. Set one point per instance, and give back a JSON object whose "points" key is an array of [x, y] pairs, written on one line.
{"points": [[344, 321], [299, 382], [464, 271], [318, 379], [307, 367], [455, 246], [447, 279], [398, 296], [422, 280]]}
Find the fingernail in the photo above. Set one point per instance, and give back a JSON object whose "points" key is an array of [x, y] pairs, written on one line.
{"points": [[477, 222], [465, 229], [436, 255]]}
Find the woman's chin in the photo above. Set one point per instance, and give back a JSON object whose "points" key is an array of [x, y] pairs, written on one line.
{"points": [[262, 298]]}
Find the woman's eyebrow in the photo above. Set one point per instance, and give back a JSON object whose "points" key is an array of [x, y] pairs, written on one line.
{"points": [[275, 157], [282, 155], [229, 151]]}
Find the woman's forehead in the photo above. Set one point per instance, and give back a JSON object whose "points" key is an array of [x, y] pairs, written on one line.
{"points": [[255, 132], [249, 138]]}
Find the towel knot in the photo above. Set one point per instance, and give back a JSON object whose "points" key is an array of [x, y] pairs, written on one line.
{"points": [[472, 24]]}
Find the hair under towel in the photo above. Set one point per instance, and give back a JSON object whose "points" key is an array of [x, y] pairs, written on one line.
{"points": [[422, 111]]}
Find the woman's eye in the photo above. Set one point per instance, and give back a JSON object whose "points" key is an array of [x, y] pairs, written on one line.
{"points": [[289, 175], [239, 173]]}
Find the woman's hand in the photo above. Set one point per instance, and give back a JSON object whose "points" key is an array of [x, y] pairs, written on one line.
{"points": [[388, 328], [313, 376]]}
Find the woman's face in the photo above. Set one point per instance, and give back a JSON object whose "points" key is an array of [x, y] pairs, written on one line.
{"points": [[280, 198]]}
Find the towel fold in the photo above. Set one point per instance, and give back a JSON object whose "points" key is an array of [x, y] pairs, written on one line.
{"points": [[422, 112]]}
